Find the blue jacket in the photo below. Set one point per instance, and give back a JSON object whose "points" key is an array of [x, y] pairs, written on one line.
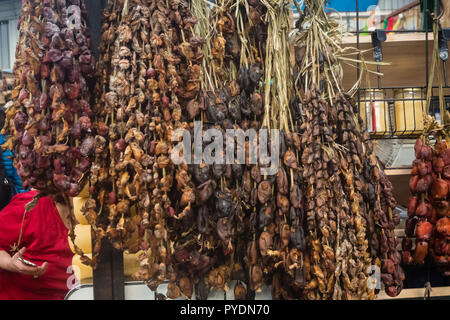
{"points": [[11, 172]]}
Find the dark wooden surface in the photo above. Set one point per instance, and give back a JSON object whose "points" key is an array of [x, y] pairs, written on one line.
{"points": [[109, 276], [95, 14]]}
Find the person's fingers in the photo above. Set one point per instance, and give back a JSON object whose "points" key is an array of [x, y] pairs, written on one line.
{"points": [[28, 272], [26, 269], [19, 253], [42, 269]]}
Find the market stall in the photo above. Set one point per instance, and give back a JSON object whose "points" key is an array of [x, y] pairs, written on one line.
{"points": [[108, 93]]}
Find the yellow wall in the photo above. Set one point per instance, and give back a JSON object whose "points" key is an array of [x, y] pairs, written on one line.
{"points": [[83, 240]]}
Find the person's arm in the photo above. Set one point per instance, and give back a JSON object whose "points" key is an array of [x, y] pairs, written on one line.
{"points": [[11, 172], [11, 218], [13, 264], [17, 182]]}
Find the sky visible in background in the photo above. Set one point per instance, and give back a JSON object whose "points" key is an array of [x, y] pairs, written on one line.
{"points": [[350, 5]]}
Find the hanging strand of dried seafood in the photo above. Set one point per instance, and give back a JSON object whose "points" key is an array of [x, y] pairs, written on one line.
{"points": [[118, 171], [212, 226], [428, 219], [228, 104], [252, 31], [219, 213], [280, 232], [428, 207], [183, 263], [49, 122], [53, 61], [102, 191], [351, 223], [324, 203], [146, 83]]}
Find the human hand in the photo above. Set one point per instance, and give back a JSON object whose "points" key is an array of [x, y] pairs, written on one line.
{"points": [[15, 265]]}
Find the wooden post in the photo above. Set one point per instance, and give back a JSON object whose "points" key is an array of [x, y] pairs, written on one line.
{"points": [[95, 21], [109, 275]]}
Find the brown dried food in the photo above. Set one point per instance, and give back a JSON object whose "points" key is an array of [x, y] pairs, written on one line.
{"points": [[265, 243], [282, 181], [290, 160], [264, 191], [52, 96], [256, 278], [240, 293], [173, 291]]}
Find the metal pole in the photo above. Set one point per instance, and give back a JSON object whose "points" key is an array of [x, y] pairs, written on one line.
{"points": [[357, 36], [357, 46]]}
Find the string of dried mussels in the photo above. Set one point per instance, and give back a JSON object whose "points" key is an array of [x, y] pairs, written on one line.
{"points": [[349, 200], [252, 30], [219, 208]]}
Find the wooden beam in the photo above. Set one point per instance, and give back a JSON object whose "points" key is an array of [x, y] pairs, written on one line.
{"points": [[398, 172], [118, 274], [390, 38], [103, 274], [94, 22], [109, 275]]}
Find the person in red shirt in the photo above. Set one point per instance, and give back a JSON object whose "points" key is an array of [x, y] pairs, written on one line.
{"points": [[44, 242]]}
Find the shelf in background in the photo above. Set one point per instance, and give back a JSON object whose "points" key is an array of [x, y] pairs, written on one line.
{"points": [[398, 172], [418, 293], [407, 54]]}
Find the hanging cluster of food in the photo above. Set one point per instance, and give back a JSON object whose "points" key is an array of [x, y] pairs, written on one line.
{"points": [[312, 229], [428, 222], [282, 244], [348, 199], [237, 70], [49, 123], [210, 239], [149, 77]]}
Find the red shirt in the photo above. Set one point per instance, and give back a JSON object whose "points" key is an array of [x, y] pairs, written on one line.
{"points": [[46, 239]]}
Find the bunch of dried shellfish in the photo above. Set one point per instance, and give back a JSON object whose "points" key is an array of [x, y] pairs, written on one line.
{"points": [[349, 202]]}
